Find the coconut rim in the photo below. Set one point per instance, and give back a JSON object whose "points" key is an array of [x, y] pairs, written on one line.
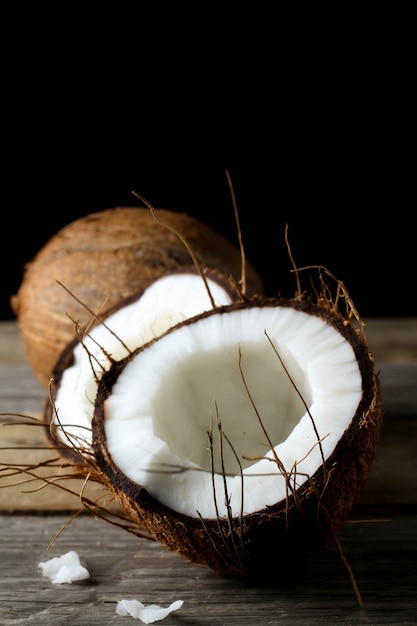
{"points": [[368, 400]]}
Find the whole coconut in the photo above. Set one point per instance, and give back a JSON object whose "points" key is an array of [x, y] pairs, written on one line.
{"points": [[98, 260]]}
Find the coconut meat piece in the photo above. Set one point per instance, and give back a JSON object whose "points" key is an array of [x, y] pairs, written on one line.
{"points": [[270, 418], [64, 569], [165, 302]]}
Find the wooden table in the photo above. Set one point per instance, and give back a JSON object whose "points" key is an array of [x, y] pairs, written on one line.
{"points": [[379, 539]]}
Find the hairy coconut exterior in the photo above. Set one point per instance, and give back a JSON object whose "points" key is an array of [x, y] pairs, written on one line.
{"points": [[96, 261], [270, 542]]}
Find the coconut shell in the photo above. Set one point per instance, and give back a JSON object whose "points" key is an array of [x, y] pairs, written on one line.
{"points": [[91, 264], [272, 542]]}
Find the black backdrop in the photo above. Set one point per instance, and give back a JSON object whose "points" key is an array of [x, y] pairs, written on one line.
{"points": [[360, 230], [314, 125]]}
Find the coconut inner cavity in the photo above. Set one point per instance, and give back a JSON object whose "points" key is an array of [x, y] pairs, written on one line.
{"points": [[210, 414], [206, 392]]}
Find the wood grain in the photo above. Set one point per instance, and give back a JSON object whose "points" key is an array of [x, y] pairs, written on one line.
{"points": [[393, 476], [378, 541], [382, 554]]}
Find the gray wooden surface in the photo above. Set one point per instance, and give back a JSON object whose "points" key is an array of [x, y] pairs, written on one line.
{"points": [[379, 540], [382, 553]]}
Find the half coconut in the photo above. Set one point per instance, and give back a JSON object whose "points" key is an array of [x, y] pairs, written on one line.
{"points": [[136, 320], [240, 438]]}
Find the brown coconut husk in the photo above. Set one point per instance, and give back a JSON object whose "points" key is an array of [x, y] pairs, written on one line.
{"points": [[102, 258]]}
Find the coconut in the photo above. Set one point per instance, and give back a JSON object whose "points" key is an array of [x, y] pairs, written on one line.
{"points": [[136, 320], [97, 261], [241, 437]]}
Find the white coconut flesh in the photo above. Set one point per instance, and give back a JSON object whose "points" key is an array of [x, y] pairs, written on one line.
{"points": [[222, 373], [164, 303]]}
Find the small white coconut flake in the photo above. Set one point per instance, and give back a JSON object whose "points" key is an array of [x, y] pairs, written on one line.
{"points": [[147, 614], [64, 569]]}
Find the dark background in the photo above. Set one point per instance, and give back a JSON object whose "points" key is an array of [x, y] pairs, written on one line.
{"points": [[361, 230], [316, 132]]}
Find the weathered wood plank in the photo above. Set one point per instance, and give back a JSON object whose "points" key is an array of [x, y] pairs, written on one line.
{"points": [[381, 552], [393, 476]]}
